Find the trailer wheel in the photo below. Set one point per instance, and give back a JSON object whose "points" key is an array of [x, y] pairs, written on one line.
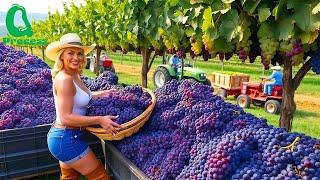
{"points": [[243, 101], [272, 107]]}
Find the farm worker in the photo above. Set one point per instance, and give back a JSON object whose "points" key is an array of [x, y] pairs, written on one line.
{"points": [[275, 77], [175, 62], [71, 98]]}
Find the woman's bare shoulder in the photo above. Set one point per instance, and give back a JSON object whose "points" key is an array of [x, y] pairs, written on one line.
{"points": [[63, 80]]}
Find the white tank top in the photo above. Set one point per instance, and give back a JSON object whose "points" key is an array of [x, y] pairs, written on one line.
{"points": [[80, 102]]}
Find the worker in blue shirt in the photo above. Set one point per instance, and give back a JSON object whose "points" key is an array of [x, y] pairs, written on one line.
{"points": [[275, 78], [175, 62]]}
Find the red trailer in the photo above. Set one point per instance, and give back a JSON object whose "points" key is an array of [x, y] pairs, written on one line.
{"points": [[246, 92]]}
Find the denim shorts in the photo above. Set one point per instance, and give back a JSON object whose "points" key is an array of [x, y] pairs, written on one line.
{"points": [[66, 145]]}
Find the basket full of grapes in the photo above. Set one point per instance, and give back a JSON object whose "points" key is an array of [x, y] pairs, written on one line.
{"points": [[133, 105]]}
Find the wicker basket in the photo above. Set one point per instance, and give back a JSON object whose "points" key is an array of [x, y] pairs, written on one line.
{"points": [[129, 127]]}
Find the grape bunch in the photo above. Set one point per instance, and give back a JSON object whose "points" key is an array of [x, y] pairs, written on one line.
{"points": [[196, 45], [127, 103], [208, 42], [268, 44], [293, 50], [315, 61], [180, 53], [243, 45], [225, 56], [106, 80]]}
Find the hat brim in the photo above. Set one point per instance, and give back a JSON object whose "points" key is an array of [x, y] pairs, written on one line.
{"points": [[53, 49], [276, 68]]}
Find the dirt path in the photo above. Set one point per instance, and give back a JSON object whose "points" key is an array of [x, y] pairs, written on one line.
{"points": [[305, 102], [132, 70]]}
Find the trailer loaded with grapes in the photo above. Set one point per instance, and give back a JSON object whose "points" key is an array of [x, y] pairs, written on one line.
{"points": [[189, 135]]}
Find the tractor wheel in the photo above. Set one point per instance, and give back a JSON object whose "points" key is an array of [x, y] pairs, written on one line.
{"points": [[161, 76], [222, 93], [243, 101], [207, 82], [272, 107]]}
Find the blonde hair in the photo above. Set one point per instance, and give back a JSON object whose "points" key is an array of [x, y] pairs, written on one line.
{"points": [[58, 65]]}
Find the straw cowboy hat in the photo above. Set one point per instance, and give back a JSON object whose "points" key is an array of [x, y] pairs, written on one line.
{"points": [[277, 68], [67, 40]]}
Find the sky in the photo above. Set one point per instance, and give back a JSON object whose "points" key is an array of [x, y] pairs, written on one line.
{"points": [[38, 6]]}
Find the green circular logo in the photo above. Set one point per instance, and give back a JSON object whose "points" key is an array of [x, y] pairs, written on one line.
{"points": [[18, 31]]}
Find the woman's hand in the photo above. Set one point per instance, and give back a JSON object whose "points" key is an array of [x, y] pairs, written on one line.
{"points": [[107, 123]]}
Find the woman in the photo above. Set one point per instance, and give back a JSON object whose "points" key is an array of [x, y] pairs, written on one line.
{"points": [[71, 99]]}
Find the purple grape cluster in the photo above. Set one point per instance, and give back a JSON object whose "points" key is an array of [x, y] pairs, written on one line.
{"points": [[242, 54], [225, 56], [265, 63], [106, 80], [181, 54], [127, 103], [199, 136], [315, 61], [296, 49]]}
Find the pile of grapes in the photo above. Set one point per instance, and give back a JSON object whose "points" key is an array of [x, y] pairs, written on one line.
{"points": [[127, 103], [193, 134], [26, 90]]}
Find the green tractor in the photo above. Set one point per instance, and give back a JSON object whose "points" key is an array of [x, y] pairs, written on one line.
{"points": [[168, 71]]}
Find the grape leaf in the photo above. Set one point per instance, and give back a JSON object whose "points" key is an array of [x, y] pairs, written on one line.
{"points": [[190, 31], [221, 45], [278, 9], [304, 18], [197, 11], [316, 9], [227, 1], [313, 37], [263, 13], [173, 2], [180, 17], [251, 5], [207, 19], [285, 29], [229, 24], [218, 6], [308, 38]]}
